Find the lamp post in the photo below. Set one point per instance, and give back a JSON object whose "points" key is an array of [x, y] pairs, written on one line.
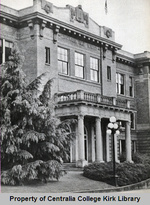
{"points": [[113, 129]]}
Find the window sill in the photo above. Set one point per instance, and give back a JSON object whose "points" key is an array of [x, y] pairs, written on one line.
{"points": [[47, 64], [79, 79]]}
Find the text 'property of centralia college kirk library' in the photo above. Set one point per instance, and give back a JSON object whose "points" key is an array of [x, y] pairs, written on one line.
{"points": [[94, 79]]}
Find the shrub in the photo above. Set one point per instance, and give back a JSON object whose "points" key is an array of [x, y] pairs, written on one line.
{"points": [[141, 158], [43, 171], [98, 171], [137, 158], [128, 173]]}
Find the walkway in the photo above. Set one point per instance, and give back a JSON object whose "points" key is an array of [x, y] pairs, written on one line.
{"points": [[73, 181]]}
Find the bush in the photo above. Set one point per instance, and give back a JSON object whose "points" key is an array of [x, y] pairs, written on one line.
{"points": [[128, 173], [98, 171], [22, 174], [137, 158], [141, 158]]}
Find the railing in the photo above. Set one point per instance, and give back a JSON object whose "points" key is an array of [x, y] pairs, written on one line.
{"points": [[90, 97], [121, 102], [67, 96], [80, 95], [107, 100]]}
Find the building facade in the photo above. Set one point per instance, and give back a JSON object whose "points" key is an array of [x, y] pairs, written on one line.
{"points": [[94, 78]]}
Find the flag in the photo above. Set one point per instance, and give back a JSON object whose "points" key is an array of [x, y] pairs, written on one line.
{"points": [[106, 9]]}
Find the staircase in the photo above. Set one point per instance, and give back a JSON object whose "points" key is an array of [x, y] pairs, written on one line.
{"points": [[71, 167]]}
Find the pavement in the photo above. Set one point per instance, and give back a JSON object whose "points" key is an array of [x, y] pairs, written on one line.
{"points": [[73, 181]]}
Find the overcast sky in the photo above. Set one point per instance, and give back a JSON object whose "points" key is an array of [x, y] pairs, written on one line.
{"points": [[130, 19]]}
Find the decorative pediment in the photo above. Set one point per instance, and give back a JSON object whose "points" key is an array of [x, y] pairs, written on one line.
{"points": [[47, 6], [77, 14]]}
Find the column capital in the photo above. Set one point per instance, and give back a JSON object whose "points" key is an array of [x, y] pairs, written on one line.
{"points": [[81, 116], [98, 119], [128, 123]]}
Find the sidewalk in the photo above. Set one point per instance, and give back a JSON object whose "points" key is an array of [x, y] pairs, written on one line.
{"points": [[73, 181]]}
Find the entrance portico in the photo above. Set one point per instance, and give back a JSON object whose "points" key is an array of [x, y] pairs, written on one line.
{"points": [[92, 142]]}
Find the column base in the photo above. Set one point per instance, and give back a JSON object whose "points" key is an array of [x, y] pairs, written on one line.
{"points": [[118, 161], [99, 161], [130, 161], [81, 163]]}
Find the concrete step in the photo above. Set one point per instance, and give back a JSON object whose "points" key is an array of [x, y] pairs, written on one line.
{"points": [[71, 167]]}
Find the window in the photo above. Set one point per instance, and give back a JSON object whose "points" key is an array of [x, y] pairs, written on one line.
{"points": [[132, 119], [122, 124], [122, 147], [8, 46], [5, 50], [131, 86], [94, 69], [120, 83], [133, 146], [47, 55], [63, 60], [108, 73], [79, 65], [1, 51]]}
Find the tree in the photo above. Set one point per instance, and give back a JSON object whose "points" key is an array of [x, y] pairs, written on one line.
{"points": [[31, 135]]}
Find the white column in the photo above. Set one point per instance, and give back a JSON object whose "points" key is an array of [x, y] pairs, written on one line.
{"points": [[81, 149], [71, 152], [99, 146], [128, 142], [76, 145], [107, 148], [93, 144]]}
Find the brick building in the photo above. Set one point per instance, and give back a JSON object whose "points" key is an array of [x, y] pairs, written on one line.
{"points": [[93, 78]]}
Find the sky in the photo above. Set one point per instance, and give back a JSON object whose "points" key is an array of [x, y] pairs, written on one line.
{"points": [[130, 19]]}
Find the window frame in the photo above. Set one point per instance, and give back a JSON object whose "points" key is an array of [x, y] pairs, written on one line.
{"points": [[82, 65], [61, 60], [94, 70]]}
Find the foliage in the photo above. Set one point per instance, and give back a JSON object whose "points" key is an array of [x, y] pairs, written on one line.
{"points": [[128, 173], [137, 158], [98, 171], [22, 174], [29, 129]]}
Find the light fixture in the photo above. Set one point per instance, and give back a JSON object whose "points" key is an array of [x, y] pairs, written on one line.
{"points": [[112, 119], [115, 126], [110, 125]]}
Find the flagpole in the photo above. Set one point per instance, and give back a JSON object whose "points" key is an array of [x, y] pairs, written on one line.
{"points": [[106, 8]]}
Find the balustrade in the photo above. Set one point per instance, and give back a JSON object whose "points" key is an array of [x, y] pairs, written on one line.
{"points": [[107, 100], [96, 98]]}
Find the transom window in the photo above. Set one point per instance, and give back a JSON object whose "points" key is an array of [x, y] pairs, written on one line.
{"points": [[79, 65], [63, 60], [120, 83], [94, 69]]}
